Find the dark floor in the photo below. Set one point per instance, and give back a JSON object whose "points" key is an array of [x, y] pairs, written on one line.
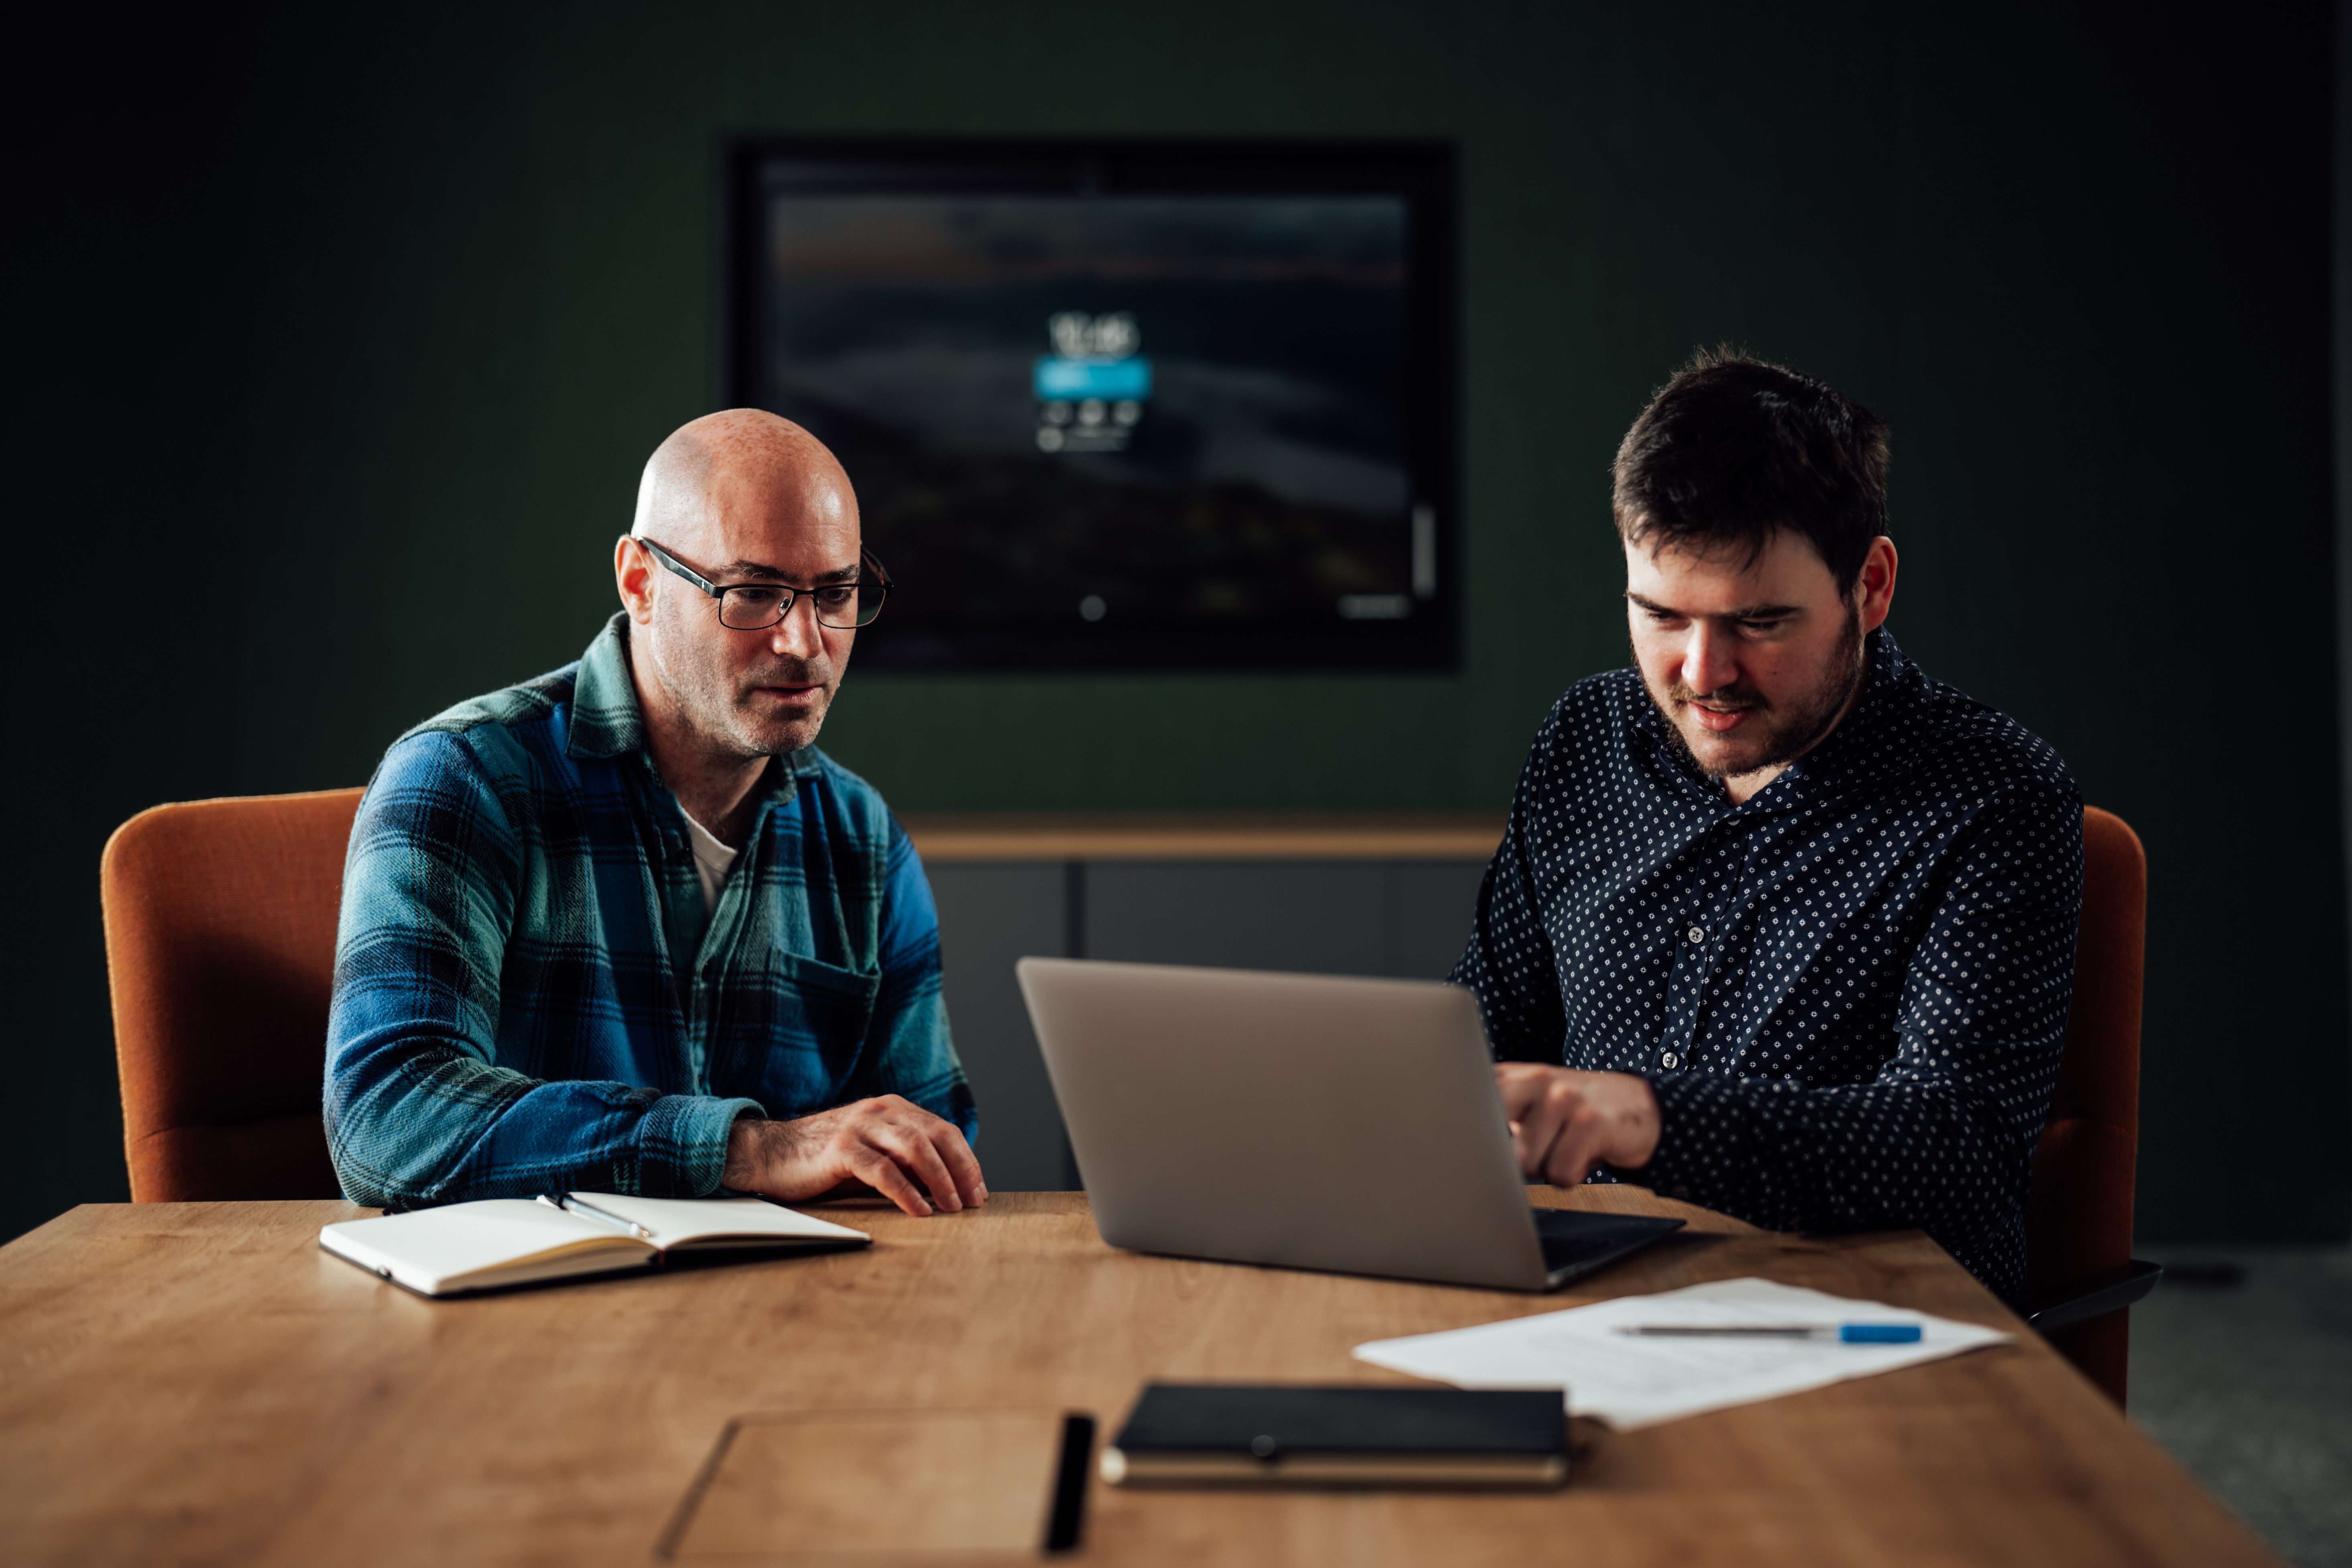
{"points": [[2242, 1366]]}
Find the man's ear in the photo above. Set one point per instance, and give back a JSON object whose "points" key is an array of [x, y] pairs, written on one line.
{"points": [[633, 575], [1874, 586]]}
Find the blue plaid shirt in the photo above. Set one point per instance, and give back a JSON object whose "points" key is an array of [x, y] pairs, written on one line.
{"points": [[529, 996]]}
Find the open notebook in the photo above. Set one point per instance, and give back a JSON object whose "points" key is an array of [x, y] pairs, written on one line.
{"points": [[497, 1242]]}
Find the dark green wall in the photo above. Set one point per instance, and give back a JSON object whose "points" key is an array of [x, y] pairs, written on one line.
{"points": [[346, 340]]}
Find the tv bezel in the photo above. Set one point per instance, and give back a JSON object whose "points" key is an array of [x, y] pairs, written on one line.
{"points": [[1425, 173]]}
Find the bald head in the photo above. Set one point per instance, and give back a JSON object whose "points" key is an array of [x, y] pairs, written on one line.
{"points": [[745, 463], [735, 498]]}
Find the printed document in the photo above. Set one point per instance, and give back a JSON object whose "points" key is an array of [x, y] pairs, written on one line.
{"points": [[1632, 1380]]}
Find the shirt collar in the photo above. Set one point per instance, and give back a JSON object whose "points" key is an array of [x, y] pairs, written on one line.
{"points": [[607, 722], [605, 718], [1879, 741]]}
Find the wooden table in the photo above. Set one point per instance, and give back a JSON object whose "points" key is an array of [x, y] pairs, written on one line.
{"points": [[198, 1384]]}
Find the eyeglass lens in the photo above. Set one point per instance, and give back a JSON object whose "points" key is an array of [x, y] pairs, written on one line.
{"points": [[754, 606]]}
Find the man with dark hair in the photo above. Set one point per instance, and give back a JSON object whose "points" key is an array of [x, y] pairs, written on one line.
{"points": [[1781, 925]]}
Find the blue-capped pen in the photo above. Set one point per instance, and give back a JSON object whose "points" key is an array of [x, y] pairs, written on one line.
{"points": [[1845, 1333]]}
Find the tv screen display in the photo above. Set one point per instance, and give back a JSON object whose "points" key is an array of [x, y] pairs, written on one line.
{"points": [[1121, 406]]}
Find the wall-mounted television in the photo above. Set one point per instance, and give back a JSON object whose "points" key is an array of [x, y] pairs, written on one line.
{"points": [[1120, 405]]}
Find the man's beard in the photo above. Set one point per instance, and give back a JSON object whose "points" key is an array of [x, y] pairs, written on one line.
{"points": [[1787, 736], [720, 705]]}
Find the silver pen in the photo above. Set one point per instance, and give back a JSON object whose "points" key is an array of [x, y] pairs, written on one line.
{"points": [[572, 1205]]}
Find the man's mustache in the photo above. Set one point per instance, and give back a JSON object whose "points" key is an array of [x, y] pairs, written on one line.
{"points": [[1730, 698], [812, 672]]}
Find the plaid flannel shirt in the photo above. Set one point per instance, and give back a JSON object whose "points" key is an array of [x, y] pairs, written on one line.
{"points": [[529, 995]]}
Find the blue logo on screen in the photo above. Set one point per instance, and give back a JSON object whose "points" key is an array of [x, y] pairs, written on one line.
{"points": [[1069, 380]]}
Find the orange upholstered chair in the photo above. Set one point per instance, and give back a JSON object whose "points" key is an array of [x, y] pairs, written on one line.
{"points": [[2079, 1273], [220, 946]]}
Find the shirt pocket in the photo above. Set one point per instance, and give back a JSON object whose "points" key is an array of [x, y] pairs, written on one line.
{"points": [[798, 1038]]}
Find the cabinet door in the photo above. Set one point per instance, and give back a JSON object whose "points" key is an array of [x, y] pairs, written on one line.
{"points": [[1316, 917], [1428, 906], [1404, 918], [990, 915]]}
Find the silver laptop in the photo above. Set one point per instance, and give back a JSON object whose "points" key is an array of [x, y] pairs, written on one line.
{"points": [[1304, 1120]]}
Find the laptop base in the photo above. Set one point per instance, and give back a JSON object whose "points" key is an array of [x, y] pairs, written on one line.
{"points": [[1576, 1243]]}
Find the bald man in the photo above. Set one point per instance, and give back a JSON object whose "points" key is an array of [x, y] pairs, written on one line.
{"points": [[624, 928]]}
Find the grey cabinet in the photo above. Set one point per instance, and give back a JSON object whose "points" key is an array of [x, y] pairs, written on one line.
{"points": [[991, 915], [1406, 917]]}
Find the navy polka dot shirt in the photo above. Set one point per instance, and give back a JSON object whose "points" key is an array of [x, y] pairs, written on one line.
{"points": [[1850, 993]]}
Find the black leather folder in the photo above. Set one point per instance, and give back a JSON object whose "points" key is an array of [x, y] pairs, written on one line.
{"points": [[1192, 1434]]}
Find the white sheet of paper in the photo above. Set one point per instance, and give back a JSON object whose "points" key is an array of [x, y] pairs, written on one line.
{"points": [[1629, 1381]]}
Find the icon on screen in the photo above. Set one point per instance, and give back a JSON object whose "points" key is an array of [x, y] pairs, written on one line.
{"points": [[1091, 389]]}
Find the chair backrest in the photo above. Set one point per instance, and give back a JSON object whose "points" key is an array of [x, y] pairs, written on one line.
{"points": [[2078, 1220], [220, 948]]}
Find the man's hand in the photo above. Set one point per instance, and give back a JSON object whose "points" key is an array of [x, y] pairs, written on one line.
{"points": [[1565, 1123], [889, 1143]]}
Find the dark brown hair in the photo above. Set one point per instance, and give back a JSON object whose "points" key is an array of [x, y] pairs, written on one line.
{"points": [[1733, 450]]}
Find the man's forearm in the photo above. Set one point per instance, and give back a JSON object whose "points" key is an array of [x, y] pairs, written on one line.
{"points": [[419, 1123], [1849, 1157]]}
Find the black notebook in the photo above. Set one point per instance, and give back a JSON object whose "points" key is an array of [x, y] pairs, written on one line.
{"points": [[1192, 1434]]}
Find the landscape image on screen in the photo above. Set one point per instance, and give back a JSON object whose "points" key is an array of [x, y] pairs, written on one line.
{"points": [[1115, 430]]}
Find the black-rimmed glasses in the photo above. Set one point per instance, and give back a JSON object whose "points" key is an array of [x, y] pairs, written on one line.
{"points": [[756, 606]]}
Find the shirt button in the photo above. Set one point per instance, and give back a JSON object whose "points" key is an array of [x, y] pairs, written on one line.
{"points": [[1670, 1059], [1697, 934]]}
